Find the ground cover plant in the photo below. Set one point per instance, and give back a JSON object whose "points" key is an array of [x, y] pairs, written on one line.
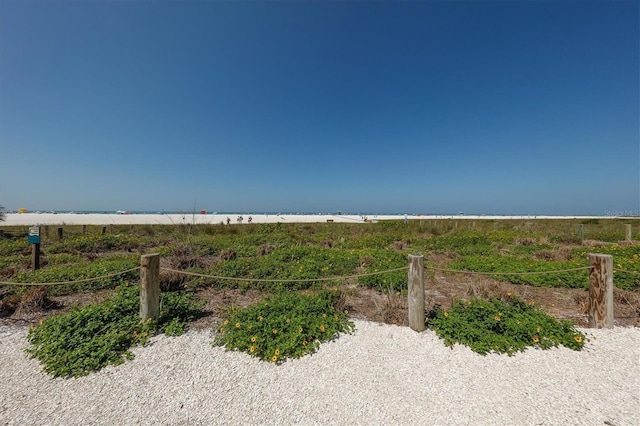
{"points": [[89, 338], [502, 326], [287, 325], [294, 257]]}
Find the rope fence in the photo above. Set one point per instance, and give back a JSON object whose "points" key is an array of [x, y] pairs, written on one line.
{"points": [[305, 280], [600, 284]]}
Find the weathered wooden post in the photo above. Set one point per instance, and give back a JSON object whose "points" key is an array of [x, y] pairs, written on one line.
{"points": [[33, 238], [416, 292], [581, 232], [627, 232], [84, 229], [601, 291], [149, 286], [104, 230], [60, 233], [46, 232], [111, 228], [495, 226]]}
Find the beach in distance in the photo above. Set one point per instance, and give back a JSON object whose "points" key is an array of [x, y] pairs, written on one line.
{"points": [[29, 219]]}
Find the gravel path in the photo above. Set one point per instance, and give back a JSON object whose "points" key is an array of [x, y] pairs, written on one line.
{"points": [[381, 374]]}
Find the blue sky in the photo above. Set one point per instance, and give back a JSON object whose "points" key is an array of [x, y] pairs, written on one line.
{"points": [[494, 107]]}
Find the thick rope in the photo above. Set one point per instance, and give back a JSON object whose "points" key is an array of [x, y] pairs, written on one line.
{"points": [[508, 273], [76, 281], [627, 272], [271, 280]]}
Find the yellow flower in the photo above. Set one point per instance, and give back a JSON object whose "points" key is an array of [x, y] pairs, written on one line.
{"points": [[509, 294], [31, 326], [446, 314], [346, 312], [221, 329], [322, 328], [535, 339], [304, 343], [226, 322], [252, 349], [288, 320], [149, 319], [274, 331], [324, 315], [335, 288], [106, 309], [260, 318], [578, 339], [335, 317], [40, 322], [538, 329], [237, 325], [299, 329], [253, 339], [274, 358], [277, 352], [496, 318]]}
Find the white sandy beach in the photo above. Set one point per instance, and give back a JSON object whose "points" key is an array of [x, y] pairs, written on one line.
{"points": [[29, 219]]}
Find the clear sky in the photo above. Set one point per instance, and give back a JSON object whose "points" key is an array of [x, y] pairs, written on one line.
{"points": [[495, 107]]}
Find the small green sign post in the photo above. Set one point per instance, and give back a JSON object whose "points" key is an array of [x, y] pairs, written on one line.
{"points": [[34, 239]]}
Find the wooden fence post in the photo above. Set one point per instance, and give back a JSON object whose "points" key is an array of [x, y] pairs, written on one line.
{"points": [[46, 231], [149, 286], [581, 232], [601, 291], [104, 230], [60, 233], [416, 292], [627, 232], [84, 229], [35, 256], [111, 228]]}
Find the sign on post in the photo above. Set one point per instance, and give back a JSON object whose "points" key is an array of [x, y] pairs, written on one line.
{"points": [[34, 235]]}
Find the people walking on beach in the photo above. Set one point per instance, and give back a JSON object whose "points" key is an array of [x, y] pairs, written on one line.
{"points": [[250, 219], [228, 221], [240, 219]]}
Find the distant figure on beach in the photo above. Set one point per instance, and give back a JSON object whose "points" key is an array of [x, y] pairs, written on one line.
{"points": [[406, 219], [250, 219], [240, 219], [228, 220]]}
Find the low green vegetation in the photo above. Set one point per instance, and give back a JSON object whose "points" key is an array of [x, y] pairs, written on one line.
{"points": [[502, 326], [295, 263], [89, 338], [288, 325]]}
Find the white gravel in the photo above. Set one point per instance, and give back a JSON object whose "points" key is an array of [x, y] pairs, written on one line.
{"points": [[381, 374]]}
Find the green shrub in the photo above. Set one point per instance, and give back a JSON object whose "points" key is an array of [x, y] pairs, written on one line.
{"points": [[89, 338], [376, 260], [502, 326], [288, 325]]}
